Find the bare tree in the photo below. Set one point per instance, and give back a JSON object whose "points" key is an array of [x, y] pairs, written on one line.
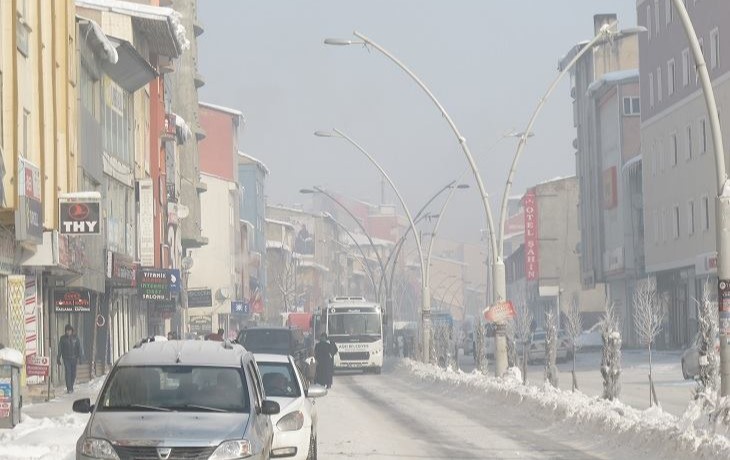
{"points": [[574, 328], [648, 317], [286, 282], [522, 323], [551, 342], [611, 356], [707, 317]]}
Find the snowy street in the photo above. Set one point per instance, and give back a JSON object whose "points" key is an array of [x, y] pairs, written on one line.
{"points": [[417, 411]]}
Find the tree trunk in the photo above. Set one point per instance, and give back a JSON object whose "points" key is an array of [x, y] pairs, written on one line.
{"points": [[575, 380]]}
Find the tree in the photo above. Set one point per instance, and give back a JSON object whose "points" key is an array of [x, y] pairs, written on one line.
{"points": [[286, 281], [574, 328], [707, 317], [551, 342], [648, 317], [522, 322], [611, 356]]}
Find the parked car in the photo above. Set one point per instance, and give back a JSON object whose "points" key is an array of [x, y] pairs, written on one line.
{"points": [[180, 399], [295, 427], [536, 348], [691, 358], [279, 341], [590, 338]]}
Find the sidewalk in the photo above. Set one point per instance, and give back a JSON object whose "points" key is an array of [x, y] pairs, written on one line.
{"points": [[62, 403]]}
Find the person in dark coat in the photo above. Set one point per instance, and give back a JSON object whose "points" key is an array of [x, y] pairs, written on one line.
{"points": [[324, 354], [69, 348]]}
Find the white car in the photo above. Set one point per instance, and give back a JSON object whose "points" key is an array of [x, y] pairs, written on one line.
{"points": [[295, 426], [691, 358]]}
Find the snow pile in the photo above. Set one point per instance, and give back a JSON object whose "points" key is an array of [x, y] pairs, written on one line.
{"points": [[11, 355], [43, 438], [651, 428]]}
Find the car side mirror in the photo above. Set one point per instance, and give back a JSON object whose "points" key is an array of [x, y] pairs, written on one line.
{"points": [[83, 406], [270, 407], [316, 391]]}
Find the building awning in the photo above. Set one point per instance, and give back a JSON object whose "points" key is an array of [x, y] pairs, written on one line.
{"points": [[99, 42], [131, 71]]}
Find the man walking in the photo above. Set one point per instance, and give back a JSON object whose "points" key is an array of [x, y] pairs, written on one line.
{"points": [[69, 348]]}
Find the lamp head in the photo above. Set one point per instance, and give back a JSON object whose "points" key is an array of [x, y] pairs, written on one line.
{"points": [[342, 42], [324, 134]]}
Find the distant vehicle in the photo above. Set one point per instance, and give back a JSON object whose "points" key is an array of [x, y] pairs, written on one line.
{"points": [[295, 426], [276, 340], [180, 399], [356, 326], [590, 338], [536, 348], [691, 358]]}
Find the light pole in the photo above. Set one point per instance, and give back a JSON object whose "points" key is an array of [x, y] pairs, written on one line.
{"points": [[426, 301], [722, 207], [606, 33], [316, 189]]}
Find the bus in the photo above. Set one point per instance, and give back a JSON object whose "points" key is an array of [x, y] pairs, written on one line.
{"points": [[356, 326]]}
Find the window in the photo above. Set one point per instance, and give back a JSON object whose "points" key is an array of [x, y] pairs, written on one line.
{"points": [[670, 77], [674, 149], [669, 10], [714, 48], [703, 135], [685, 67], [706, 213], [675, 221], [651, 90], [690, 217], [631, 106], [648, 22], [659, 84], [689, 142]]}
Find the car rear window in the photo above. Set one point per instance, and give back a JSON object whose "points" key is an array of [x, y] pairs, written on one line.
{"points": [[176, 388], [267, 341], [279, 379]]}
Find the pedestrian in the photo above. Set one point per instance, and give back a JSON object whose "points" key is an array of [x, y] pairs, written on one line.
{"points": [[218, 337], [69, 348], [324, 354]]}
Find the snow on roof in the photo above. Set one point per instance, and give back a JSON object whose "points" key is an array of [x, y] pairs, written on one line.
{"points": [[613, 78], [110, 51], [280, 222], [11, 355], [149, 17], [221, 108], [256, 161]]}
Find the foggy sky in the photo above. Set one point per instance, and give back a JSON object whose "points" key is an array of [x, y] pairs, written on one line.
{"points": [[488, 62]]}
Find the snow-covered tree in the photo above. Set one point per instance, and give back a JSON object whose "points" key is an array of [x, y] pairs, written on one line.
{"points": [[522, 323], [648, 317], [707, 317], [479, 355], [611, 356], [551, 342], [574, 328], [511, 343]]}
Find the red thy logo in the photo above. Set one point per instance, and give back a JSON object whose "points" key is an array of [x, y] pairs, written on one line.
{"points": [[78, 211]]}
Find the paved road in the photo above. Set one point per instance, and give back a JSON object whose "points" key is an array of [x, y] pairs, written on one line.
{"points": [[395, 416], [673, 391]]}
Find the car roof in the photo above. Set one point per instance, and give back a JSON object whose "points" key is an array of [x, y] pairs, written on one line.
{"points": [[185, 352], [271, 358]]}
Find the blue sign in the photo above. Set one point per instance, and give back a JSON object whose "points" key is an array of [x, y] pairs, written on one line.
{"points": [[241, 307], [174, 280]]}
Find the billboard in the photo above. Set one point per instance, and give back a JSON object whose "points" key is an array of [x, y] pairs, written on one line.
{"points": [[79, 213]]}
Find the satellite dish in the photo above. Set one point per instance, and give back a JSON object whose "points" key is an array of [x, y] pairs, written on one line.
{"points": [[187, 263]]}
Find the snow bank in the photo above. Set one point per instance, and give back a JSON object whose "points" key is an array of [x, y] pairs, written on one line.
{"points": [[11, 355], [652, 428]]}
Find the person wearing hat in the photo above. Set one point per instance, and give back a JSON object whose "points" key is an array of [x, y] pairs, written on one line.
{"points": [[69, 348]]}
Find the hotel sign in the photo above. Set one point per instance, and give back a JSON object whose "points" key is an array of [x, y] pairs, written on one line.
{"points": [[532, 244]]}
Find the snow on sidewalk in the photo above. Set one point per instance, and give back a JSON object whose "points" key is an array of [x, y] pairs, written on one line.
{"points": [[48, 430], [651, 428]]}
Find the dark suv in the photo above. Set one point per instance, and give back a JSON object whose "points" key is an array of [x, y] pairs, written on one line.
{"points": [[277, 341]]}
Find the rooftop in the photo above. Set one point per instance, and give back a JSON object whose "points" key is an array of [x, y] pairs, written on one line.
{"points": [[184, 352]]}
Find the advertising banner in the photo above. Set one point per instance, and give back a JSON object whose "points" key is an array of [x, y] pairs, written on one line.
{"points": [[500, 312], [79, 214], [29, 215], [529, 205], [37, 365], [153, 283]]}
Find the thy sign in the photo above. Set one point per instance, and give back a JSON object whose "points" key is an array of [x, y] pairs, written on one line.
{"points": [[79, 215]]}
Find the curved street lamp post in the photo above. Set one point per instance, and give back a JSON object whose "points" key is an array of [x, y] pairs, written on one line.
{"points": [[426, 301]]}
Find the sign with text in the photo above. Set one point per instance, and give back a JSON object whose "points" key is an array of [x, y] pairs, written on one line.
{"points": [[72, 300], [37, 365], [29, 215], [240, 307], [153, 284], [200, 298], [79, 214], [201, 325], [529, 205], [500, 312], [146, 223]]}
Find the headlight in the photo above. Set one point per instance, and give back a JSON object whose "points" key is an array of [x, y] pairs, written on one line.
{"points": [[98, 448], [231, 450], [291, 422]]}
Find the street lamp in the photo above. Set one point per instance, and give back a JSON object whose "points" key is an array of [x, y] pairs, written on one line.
{"points": [[426, 301], [722, 208]]}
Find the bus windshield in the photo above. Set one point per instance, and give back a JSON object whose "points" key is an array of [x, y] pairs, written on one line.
{"points": [[354, 324]]}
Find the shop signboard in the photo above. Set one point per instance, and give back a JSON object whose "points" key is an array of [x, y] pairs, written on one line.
{"points": [[153, 283], [37, 365], [200, 298], [72, 300], [79, 213], [29, 215], [201, 325]]}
